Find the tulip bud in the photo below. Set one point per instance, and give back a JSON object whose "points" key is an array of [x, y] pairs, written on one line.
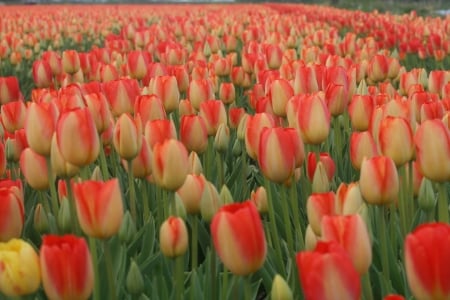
{"points": [[127, 229], [280, 289], [210, 202], [427, 198], [34, 168], [225, 196], [179, 209], [222, 138], [320, 183], [173, 237], [40, 220], [259, 198], [70, 61], [310, 238], [134, 281], [194, 164], [127, 136], [237, 148], [64, 218]]}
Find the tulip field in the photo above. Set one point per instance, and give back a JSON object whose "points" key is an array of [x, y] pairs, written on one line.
{"points": [[242, 151]]}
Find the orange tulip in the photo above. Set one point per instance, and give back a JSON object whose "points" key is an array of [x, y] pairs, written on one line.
{"points": [[42, 74], [9, 89], [319, 205], [127, 136], [396, 139], [70, 61], [34, 169], [11, 209], [13, 115], [40, 124], [121, 95], [214, 114], [193, 133], [313, 119], [362, 145], [158, 131]]}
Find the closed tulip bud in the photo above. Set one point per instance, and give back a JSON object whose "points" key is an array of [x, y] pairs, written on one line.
{"points": [[235, 115], [280, 92], [379, 181], [348, 199], [99, 108], [327, 162], [134, 281], [40, 124], [237, 148], [121, 95], [137, 63], [210, 201], [193, 133], [360, 110], [328, 273], [280, 289], [34, 168], [99, 207], [313, 119], [320, 182], [13, 115], [9, 89], [427, 198], [227, 93], [317, 206], [225, 196], [199, 91], [158, 131], [127, 136], [170, 164], [173, 237], [222, 138], [70, 61], [214, 114], [42, 74], [59, 165], [362, 145], [352, 234], [64, 219], [259, 198], [77, 125], [243, 252], [194, 164], [127, 230], [67, 269], [11, 209], [20, 273], [166, 88], [378, 68], [427, 264], [396, 139], [254, 127], [191, 192], [311, 238], [432, 140], [40, 219]]}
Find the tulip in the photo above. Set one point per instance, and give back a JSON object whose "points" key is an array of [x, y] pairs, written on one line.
{"points": [[280, 289], [238, 237], [77, 125], [54, 60], [276, 155], [222, 138], [181, 74], [259, 198], [141, 165], [352, 234], [12, 209], [99, 108], [254, 126], [362, 145], [214, 114], [99, 207], [193, 133], [191, 192], [170, 164], [70, 61], [121, 95], [313, 119], [9, 89], [378, 68], [127, 136], [319, 205], [396, 139], [13, 115], [326, 160], [15, 145], [137, 63], [20, 273], [305, 81], [40, 124], [348, 199], [432, 140], [235, 115], [166, 88], [173, 237], [42, 74], [227, 93], [59, 165], [427, 262], [328, 273], [34, 169], [66, 267], [158, 131], [360, 110], [336, 96], [379, 181], [280, 92], [149, 107], [199, 91]]}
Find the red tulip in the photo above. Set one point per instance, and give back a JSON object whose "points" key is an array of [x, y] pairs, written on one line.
{"points": [[70, 61], [199, 91], [427, 261], [166, 88], [13, 115], [99, 108], [121, 95], [280, 92], [40, 124], [9, 90], [11, 209], [137, 63], [66, 266], [158, 131], [150, 108], [42, 74], [34, 169], [238, 237], [327, 161], [362, 145], [396, 139], [319, 205], [255, 124], [235, 115], [173, 237], [227, 93], [99, 207], [193, 133], [214, 114], [313, 119], [328, 273]]}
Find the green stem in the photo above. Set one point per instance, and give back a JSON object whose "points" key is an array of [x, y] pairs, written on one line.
{"points": [[221, 175], [296, 212], [179, 277], [403, 198], [103, 164], [443, 204], [44, 202], [224, 283], [73, 211], [110, 271], [367, 287], [194, 242], [213, 271], [287, 220], [273, 228], [244, 172], [94, 255], [247, 287], [131, 186], [383, 241], [53, 194], [145, 200]]}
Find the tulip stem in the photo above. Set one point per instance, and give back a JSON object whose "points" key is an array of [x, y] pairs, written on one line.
{"points": [[383, 241], [244, 172], [94, 255], [179, 277], [73, 211], [132, 191], [109, 271], [146, 201], [103, 164], [403, 198], [443, 204], [221, 170], [53, 194], [224, 283], [194, 241], [44, 203], [273, 228], [247, 287], [287, 220], [295, 208], [213, 271], [367, 287]]}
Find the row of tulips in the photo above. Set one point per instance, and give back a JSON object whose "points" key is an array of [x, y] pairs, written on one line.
{"points": [[310, 161]]}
